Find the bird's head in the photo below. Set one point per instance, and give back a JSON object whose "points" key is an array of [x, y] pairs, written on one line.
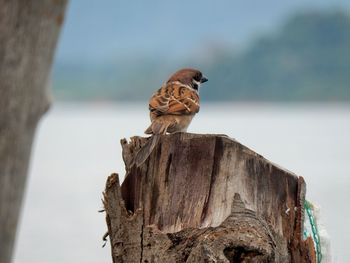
{"points": [[189, 76]]}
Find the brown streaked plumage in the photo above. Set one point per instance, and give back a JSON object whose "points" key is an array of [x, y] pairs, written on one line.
{"points": [[172, 108]]}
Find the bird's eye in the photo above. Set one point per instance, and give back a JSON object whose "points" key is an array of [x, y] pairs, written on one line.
{"points": [[197, 77]]}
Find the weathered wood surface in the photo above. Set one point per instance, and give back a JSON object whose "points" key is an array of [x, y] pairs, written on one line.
{"points": [[28, 35], [205, 198]]}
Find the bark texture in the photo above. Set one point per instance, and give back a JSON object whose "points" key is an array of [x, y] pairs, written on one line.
{"points": [[205, 198], [28, 36]]}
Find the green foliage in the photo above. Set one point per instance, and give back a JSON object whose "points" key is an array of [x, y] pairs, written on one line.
{"points": [[308, 59]]}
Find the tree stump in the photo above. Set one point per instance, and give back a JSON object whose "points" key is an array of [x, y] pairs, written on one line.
{"points": [[205, 198]]}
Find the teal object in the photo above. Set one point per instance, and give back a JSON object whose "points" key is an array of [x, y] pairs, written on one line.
{"points": [[315, 234]]}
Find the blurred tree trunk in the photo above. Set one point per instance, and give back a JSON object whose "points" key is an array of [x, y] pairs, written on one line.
{"points": [[28, 34]]}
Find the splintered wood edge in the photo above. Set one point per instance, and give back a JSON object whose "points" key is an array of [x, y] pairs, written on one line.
{"points": [[306, 248], [130, 148], [136, 142], [112, 180], [300, 208], [113, 193], [113, 184]]}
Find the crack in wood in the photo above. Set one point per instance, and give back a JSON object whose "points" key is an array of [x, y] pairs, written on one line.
{"points": [[192, 178]]}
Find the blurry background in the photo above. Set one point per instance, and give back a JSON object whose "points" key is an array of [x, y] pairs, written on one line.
{"points": [[279, 75]]}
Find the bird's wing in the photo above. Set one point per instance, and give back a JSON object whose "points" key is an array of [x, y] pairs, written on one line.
{"points": [[174, 99]]}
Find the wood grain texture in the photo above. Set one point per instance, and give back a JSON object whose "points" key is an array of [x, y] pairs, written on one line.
{"points": [[208, 197]]}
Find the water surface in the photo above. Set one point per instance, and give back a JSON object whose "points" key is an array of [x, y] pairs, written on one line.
{"points": [[77, 147]]}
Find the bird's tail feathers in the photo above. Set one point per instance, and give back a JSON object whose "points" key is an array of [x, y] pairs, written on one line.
{"points": [[160, 125], [146, 150]]}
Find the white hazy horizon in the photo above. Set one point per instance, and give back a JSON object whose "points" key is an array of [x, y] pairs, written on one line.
{"points": [[77, 148]]}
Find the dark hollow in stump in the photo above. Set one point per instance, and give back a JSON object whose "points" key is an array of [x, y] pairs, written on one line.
{"points": [[205, 198]]}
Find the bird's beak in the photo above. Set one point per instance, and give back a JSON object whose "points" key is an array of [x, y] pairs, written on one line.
{"points": [[204, 79]]}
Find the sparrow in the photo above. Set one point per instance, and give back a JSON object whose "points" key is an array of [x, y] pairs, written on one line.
{"points": [[172, 108]]}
